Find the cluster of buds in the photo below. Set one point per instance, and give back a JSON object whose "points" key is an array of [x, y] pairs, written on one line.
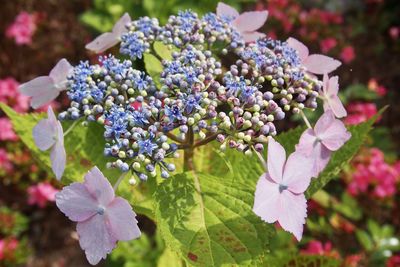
{"points": [[237, 105]]}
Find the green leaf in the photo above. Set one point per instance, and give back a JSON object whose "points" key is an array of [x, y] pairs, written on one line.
{"points": [[364, 239], [153, 67], [169, 258], [210, 222], [163, 50]]}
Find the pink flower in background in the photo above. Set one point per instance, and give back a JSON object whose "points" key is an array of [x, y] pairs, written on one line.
{"points": [[327, 44], [7, 247], [41, 193], [23, 28], [394, 32], [9, 95], [7, 133], [393, 261], [348, 54], [5, 163], [373, 175], [315, 247], [360, 112], [374, 86]]}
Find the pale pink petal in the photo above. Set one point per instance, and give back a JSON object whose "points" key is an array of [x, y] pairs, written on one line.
{"points": [[331, 131], [324, 122], [337, 107], [332, 86], [51, 116], [267, 199], [57, 155], [95, 238], [44, 134], [250, 37], [122, 220], [293, 213], [321, 158], [119, 27], [41, 100], [307, 142], [299, 46], [76, 202], [276, 160], [226, 10], [298, 172], [99, 186], [320, 64], [103, 42], [250, 21], [37, 87], [60, 72]]}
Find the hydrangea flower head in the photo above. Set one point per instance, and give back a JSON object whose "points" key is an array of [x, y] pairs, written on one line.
{"points": [[23, 28], [280, 191], [48, 134], [44, 89], [103, 219]]}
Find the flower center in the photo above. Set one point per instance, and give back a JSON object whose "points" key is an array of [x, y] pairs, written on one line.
{"points": [[282, 187], [100, 210]]}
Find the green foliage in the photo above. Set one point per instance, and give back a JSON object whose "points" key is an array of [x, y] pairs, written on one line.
{"points": [[153, 67], [105, 13], [12, 223], [209, 222]]}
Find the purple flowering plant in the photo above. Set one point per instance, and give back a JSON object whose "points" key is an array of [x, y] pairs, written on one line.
{"points": [[213, 88]]}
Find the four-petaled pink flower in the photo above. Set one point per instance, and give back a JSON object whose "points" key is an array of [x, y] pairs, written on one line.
{"points": [[246, 23], [48, 133], [103, 219], [23, 28], [280, 191], [41, 193], [329, 134], [329, 93], [317, 64], [109, 39], [44, 89]]}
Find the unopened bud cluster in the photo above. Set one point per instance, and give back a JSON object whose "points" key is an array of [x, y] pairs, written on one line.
{"points": [[147, 119]]}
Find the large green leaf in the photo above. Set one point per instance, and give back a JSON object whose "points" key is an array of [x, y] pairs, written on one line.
{"points": [[153, 67], [210, 222]]}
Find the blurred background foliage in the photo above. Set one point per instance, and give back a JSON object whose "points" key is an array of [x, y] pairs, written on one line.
{"points": [[354, 221]]}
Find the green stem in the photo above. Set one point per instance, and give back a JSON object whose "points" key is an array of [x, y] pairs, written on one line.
{"points": [[115, 187], [189, 151], [70, 128], [305, 119]]}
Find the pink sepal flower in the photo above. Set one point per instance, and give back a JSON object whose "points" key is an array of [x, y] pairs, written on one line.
{"points": [[48, 134], [103, 219], [109, 39], [280, 191], [246, 23]]}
